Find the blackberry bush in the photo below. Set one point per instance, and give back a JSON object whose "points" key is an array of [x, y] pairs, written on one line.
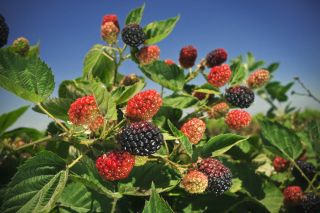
{"points": [[116, 144]]}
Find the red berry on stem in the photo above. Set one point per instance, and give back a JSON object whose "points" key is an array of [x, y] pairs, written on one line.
{"points": [[188, 56], [148, 54], [216, 57], [219, 75], [293, 195], [144, 105], [238, 119], [194, 130], [115, 165]]}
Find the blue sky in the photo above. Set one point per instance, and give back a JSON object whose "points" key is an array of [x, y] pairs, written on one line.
{"points": [[285, 31]]}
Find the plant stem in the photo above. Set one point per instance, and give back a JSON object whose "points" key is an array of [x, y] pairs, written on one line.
{"points": [[312, 182], [114, 205], [309, 93], [51, 116], [302, 173], [117, 64], [34, 142], [75, 161]]}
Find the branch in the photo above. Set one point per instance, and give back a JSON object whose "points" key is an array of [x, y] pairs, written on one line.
{"points": [[308, 94]]}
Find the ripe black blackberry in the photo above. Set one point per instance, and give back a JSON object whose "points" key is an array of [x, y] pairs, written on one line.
{"points": [[239, 96], [219, 176], [311, 203], [308, 169], [4, 31], [133, 35], [140, 138]]}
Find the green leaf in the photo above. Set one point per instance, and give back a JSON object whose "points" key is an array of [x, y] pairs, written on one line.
{"points": [[139, 181], [186, 144], [99, 63], [273, 197], [78, 198], [158, 30], [273, 67], [104, 100], [23, 132], [34, 50], [37, 185], [220, 144], [27, 77], [277, 91], [156, 204], [238, 75], [58, 107], [135, 15], [9, 118], [180, 101], [208, 91], [256, 65], [71, 89], [169, 76], [167, 113], [282, 138], [123, 94]]}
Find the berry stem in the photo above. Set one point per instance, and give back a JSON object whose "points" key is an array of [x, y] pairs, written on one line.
{"points": [[51, 116], [302, 173], [34, 143], [75, 161], [117, 64], [114, 205], [312, 182]]}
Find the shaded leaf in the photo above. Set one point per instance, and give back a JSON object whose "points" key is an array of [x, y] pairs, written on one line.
{"points": [[58, 107], [9, 118], [99, 63], [282, 138], [186, 144], [156, 204], [220, 144], [180, 101], [37, 185]]}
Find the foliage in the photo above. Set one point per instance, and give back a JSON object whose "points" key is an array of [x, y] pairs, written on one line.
{"points": [[54, 171]]}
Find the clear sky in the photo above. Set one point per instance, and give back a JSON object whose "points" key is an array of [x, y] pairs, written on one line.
{"points": [[286, 31]]}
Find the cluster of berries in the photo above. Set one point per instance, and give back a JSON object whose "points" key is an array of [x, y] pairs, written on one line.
{"points": [[139, 137], [132, 35], [209, 175], [294, 195], [219, 75]]}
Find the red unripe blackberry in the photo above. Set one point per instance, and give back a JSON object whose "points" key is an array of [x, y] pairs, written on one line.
{"points": [[188, 56], [237, 119], [4, 31], [219, 75], [144, 105], [111, 18], [129, 80], [133, 35], [239, 96], [140, 138], [109, 32], [194, 130], [219, 110], [293, 195], [169, 61], [219, 176], [216, 57], [84, 111], [148, 54], [258, 78], [280, 164], [115, 165], [311, 203], [195, 182]]}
